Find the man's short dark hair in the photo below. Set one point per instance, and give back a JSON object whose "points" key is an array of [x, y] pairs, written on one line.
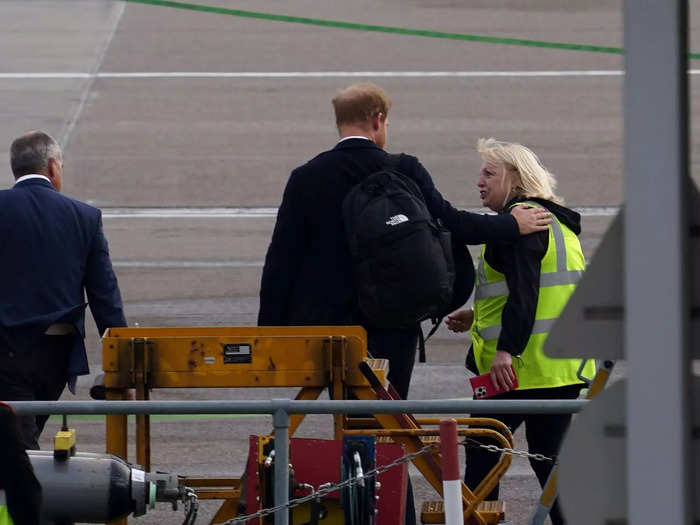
{"points": [[31, 152]]}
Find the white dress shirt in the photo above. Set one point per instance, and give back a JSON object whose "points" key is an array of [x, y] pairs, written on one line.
{"points": [[32, 176], [348, 138]]}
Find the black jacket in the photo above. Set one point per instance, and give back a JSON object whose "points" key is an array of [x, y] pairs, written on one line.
{"points": [[308, 277]]}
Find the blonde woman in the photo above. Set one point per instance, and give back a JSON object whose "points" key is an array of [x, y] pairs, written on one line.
{"points": [[521, 288]]}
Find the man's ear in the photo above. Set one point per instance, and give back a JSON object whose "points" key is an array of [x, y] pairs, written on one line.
{"points": [[53, 172], [52, 168], [377, 121]]}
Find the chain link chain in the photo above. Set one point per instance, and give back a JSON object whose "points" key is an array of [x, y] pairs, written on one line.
{"points": [[331, 488], [509, 451], [408, 457]]}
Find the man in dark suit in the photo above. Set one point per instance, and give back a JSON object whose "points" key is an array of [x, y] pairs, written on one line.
{"points": [[52, 249], [308, 276]]}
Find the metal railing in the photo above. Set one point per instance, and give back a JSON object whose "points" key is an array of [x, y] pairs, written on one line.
{"points": [[280, 410]]}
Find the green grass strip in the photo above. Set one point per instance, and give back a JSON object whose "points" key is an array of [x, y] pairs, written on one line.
{"points": [[387, 29], [160, 417]]}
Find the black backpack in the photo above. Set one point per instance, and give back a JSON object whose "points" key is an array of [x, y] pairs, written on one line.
{"points": [[402, 257]]}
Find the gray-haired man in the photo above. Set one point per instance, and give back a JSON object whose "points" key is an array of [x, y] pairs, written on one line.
{"points": [[54, 251]]}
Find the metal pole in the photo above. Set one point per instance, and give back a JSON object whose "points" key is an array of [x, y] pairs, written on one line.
{"points": [[451, 481], [656, 280], [416, 406], [281, 424]]}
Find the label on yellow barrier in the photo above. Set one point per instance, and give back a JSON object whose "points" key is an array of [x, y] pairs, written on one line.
{"points": [[237, 353]]}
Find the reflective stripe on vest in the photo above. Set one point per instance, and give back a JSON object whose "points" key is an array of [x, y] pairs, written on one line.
{"points": [[559, 277], [541, 326], [561, 268]]}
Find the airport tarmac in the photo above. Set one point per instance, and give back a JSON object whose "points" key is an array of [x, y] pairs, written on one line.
{"points": [[183, 126]]}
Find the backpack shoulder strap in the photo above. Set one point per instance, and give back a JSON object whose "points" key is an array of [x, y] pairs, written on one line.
{"points": [[422, 338], [392, 161], [395, 163]]}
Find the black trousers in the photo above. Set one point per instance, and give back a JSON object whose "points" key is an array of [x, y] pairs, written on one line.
{"points": [[399, 347], [544, 433], [35, 374]]}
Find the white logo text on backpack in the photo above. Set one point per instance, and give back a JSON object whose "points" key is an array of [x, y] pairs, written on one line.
{"points": [[397, 219]]}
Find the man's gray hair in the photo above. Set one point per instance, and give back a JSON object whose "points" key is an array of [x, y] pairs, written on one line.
{"points": [[30, 153]]}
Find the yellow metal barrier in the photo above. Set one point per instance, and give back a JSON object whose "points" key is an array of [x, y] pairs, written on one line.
{"points": [[312, 358]]}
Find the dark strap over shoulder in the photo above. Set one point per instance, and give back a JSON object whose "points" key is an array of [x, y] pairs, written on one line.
{"points": [[392, 161], [423, 338]]}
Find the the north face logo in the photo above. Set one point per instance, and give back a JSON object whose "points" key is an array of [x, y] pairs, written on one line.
{"points": [[397, 219]]}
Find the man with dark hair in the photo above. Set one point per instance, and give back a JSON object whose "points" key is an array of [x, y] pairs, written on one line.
{"points": [[53, 251]]}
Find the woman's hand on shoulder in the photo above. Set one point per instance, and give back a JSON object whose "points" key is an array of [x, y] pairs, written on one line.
{"points": [[531, 220], [460, 321]]}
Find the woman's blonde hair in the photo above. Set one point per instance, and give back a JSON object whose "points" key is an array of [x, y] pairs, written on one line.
{"points": [[535, 179]]}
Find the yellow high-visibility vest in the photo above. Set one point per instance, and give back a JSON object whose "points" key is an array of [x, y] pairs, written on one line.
{"points": [[5, 518], [562, 266]]}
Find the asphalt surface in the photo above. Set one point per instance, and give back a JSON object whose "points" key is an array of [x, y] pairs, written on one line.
{"points": [[213, 141]]}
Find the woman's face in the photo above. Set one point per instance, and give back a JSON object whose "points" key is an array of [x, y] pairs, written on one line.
{"points": [[495, 184]]}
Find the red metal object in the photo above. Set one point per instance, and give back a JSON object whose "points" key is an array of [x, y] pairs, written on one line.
{"points": [[317, 461], [451, 484], [448, 450]]}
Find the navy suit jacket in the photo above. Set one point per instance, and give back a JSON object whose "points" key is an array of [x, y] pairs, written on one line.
{"points": [[52, 249], [308, 273]]}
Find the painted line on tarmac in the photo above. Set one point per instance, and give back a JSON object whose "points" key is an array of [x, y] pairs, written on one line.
{"points": [[68, 127], [597, 211], [187, 213], [320, 74], [262, 213], [353, 74], [166, 264], [386, 29]]}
